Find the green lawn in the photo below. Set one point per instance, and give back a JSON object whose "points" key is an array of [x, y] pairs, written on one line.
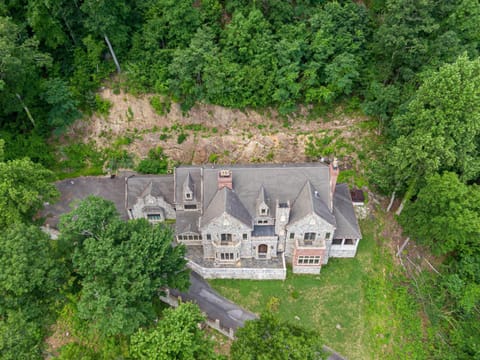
{"points": [[358, 306]]}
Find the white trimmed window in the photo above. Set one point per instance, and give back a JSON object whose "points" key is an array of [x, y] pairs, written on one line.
{"points": [[154, 217], [309, 236], [226, 256], [225, 238], [191, 237], [308, 260]]}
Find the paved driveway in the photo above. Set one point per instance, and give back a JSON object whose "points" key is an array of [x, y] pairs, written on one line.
{"points": [[214, 305]]}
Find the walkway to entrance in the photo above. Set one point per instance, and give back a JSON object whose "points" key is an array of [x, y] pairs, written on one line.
{"points": [[230, 315]]}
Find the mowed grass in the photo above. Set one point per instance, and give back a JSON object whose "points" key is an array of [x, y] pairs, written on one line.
{"points": [[354, 304]]}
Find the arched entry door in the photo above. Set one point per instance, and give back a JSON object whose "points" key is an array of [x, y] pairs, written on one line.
{"points": [[262, 251]]}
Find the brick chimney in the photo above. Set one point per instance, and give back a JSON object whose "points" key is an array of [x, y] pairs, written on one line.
{"points": [[334, 171], [225, 179]]}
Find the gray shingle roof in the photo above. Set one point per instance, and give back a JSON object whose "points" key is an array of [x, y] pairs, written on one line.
{"points": [[226, 201], [187, 221], [188, 183], [191, 175], [139, 186], [347, 224], [280, 181], [309, 202]]}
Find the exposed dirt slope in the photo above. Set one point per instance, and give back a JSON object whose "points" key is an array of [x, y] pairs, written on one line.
{"points": [[213, 133]]}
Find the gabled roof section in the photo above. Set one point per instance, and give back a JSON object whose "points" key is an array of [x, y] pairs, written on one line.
{"points": [[347, 224], [262, 198], [226, 201], [309, 202], [188, 184], [188, 176], [153, 189], [139, 186], [187, 221], [281, 182]]}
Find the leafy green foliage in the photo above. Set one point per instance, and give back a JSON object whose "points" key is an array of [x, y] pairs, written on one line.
{"points": [[446, 218], [440, 126], [63, 108], [79, 159], [29, 274], [20, 337], [176, 336], [181, 137], [77, 351], [161, 106], [445, 215], [156, 163], [317, 147], [279, 340], [121, 266], [24, 187], [103, 106], [30, 279], [21, 65], [118, 158]]}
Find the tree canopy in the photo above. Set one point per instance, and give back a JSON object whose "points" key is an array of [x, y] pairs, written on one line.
{"points": [[24, 187], [176, 336], [270, 338], [439, 128], [121, 266], [445, 215]]}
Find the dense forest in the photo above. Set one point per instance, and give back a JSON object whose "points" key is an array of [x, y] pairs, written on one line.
{"points": [[414, 66]]}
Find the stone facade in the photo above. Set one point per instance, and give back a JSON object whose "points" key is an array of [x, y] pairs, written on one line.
{"points": [[246, 221], [153, 208], [254, 273]]}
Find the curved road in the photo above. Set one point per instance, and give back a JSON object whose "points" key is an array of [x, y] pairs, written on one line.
{"points": [[214, 305]]}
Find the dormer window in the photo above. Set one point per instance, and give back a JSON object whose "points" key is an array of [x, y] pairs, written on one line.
{"points": [[264, 211], [188, 188]]}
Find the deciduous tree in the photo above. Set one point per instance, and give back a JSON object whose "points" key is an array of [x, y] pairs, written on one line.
{"points": [[445, 215], [176, 336], [121, 266], [440, 127], [269, 338], [24, 187]]}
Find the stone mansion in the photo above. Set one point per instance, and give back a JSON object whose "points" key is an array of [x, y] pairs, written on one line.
{"points": [[248, 221], [239, 221]]}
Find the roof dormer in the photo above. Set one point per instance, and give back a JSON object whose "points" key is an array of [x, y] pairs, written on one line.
{"points": [[262, 207], [188, 188]]}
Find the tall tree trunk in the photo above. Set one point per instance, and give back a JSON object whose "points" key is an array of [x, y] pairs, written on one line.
{"points": [[113, 53], [392, 199], [26, 109]]}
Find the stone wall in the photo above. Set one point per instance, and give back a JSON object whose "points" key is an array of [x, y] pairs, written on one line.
{"points": [[343, 251], [240, 273], [306, 269]]}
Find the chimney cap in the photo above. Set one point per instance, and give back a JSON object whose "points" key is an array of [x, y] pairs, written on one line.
{"points": [[225, 173]]}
